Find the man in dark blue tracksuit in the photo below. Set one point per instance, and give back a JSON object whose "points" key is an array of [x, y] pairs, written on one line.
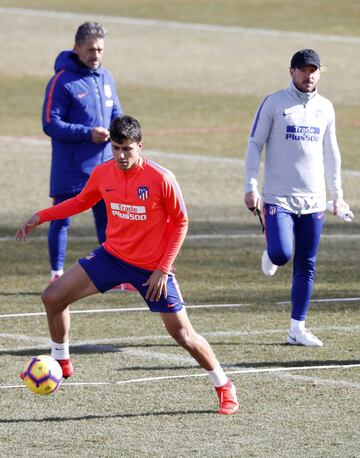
{"points": [[80, 103]]}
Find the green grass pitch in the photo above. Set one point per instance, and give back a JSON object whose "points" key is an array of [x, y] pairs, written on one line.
{"points": [[195, 90]]}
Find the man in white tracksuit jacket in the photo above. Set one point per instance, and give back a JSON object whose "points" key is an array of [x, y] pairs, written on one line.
{"points": [[298, 127]]}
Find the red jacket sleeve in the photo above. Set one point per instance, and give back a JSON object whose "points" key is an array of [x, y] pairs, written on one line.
{"points": [[86, 199], [178, 221]]}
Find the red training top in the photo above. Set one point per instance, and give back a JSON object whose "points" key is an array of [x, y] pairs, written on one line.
{"points": [[147, 219]]}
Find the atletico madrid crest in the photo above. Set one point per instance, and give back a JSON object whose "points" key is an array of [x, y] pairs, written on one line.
{"points": [[143, 192], [272, 211]]}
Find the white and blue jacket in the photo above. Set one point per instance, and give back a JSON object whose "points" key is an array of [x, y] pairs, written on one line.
{"points": [[77, 99], [301, 151]]}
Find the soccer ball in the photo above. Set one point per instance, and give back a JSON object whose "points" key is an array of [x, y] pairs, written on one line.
{"points": [[42, 374]]}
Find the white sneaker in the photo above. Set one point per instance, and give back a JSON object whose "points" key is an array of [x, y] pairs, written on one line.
{"points": [[303, 337], [267, 266]]}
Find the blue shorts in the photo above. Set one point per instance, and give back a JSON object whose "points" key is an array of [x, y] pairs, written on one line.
{"points": [[107, 271]]}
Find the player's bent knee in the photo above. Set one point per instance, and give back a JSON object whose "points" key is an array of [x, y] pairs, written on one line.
{"points": [[184, 338], [46, 298], [50, 298], [280, 259]]}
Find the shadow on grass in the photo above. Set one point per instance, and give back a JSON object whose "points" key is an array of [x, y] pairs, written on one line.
{"points": [[81, 349], [99, 417], [86, 349], [93, 349]]}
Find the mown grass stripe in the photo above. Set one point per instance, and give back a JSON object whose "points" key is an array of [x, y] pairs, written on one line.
{"points": [[197, 27]]}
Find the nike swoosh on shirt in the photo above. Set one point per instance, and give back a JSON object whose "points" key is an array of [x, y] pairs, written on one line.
{"points": [[110, 189], [82, 95]]}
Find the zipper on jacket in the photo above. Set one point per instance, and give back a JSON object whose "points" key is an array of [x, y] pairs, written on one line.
{"points": [[98, 102]]}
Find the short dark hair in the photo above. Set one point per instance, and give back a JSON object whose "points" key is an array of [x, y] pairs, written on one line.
{"points": [[91, 30], [125, 128]]}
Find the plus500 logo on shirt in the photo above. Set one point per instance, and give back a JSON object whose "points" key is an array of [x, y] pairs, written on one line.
{"points": [[304, 133], [130, 212]]}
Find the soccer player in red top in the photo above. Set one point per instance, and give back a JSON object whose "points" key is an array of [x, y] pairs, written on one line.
{"points": [[147, 224]]}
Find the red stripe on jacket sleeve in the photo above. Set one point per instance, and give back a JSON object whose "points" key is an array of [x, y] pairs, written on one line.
{"points": [[50, 96]]}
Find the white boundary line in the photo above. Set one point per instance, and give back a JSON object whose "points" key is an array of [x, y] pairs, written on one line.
{"points": [[120, 310], [146, 309], [191, 237], [318, 380], [255, 236], [180, 25], [340, 299], [172, 154], [204, 374], [127, 309]]}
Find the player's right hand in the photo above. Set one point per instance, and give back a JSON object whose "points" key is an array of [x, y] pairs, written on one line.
{"points": [[27, 227], [253, 201], [157, 285]]}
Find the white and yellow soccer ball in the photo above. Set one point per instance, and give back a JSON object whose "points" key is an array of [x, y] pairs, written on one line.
{"points": [[42, 375]]}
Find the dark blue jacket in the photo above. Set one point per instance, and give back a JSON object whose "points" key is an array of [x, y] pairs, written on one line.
{"points": [[77, 99]]}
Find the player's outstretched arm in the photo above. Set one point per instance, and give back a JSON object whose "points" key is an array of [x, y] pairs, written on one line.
{"points": [[27, 227]]}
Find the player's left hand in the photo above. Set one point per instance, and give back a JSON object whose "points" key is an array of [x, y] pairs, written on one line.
{"points": [[156, 285], [27, 227], [339, 203]]}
